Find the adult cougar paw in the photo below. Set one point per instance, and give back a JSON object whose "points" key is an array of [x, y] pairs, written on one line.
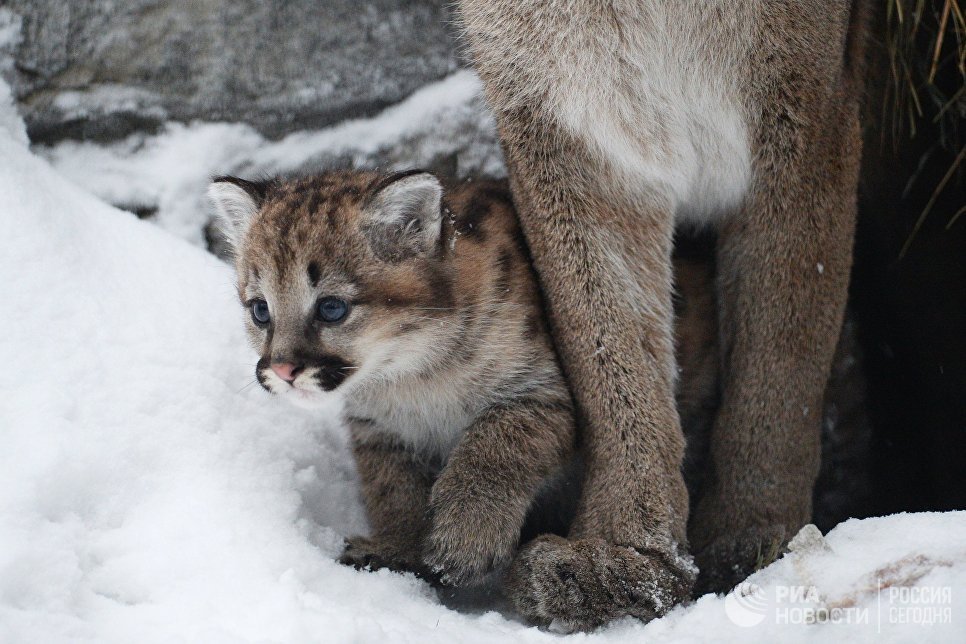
{"points": [[584, 583], [728, 560]]}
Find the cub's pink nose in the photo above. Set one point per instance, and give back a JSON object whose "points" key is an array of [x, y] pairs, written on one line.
{"points": [[286, 370]]}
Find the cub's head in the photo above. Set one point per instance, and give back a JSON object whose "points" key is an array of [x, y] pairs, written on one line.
{"points": [[340, 274]]}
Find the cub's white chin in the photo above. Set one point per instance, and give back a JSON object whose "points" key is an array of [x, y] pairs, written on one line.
{"points": [[313, 400]]}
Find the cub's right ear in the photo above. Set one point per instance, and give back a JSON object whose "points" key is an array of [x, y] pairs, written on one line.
{"points": [[236, 202], [403, 215]]}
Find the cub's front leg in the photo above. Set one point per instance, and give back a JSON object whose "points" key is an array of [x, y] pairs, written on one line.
{"points": [[481, 498], [396, 492]]}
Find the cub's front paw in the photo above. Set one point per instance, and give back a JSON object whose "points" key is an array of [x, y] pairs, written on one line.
{"points": [[374, 553], [467, 542], [581, 584]]}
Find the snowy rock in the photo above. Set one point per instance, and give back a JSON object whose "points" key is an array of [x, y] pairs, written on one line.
{"points": [[809, 539], [10, 120], [443, 127], [104, 69]]}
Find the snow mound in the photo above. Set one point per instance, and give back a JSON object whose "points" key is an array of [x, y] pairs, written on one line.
{"points": [[150, 492]]}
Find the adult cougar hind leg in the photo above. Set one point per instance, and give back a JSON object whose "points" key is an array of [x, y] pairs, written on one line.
{"points": [[605, 267], [783, 272]]}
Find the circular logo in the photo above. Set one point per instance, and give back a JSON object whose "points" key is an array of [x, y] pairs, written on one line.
{"points": [[746, 605]]}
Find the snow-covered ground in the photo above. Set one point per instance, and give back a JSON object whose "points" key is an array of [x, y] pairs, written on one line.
{"points": [[149, 492]]}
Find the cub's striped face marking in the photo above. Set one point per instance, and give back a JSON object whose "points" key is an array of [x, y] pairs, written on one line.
{"points": [[295, 326], [339, 276]]}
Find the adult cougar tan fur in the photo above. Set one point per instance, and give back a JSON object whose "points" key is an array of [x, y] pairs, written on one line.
{"points": [[618, 119]]}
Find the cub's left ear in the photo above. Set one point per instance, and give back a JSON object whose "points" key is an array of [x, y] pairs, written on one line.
{"points": [[402, 217], [236, 203]]}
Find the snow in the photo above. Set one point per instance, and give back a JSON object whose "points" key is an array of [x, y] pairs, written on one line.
{"points": [[108, 98], [149, 492]]}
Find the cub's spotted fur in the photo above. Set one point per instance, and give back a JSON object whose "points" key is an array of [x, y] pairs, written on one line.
{"points": [[420, 312]]}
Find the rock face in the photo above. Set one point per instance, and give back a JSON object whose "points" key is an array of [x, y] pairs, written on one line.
{"points": [[101, 69]]}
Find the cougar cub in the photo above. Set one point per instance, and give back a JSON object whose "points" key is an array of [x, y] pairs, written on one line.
{"points": [[419, 311]]}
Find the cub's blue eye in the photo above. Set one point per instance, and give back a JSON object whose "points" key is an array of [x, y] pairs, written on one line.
{"points": [[332, 309], [260, 312]]}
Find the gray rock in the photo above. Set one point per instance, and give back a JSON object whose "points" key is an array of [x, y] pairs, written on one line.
{"points": [[101, 69]]}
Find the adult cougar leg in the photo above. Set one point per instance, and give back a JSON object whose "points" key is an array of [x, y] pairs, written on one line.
{"points": [[783, 272], [605, 266]]}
